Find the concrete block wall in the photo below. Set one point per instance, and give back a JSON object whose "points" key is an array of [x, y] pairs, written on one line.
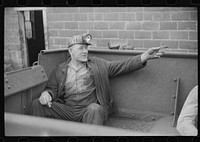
{"points": [[12, 51], [141, 27]]}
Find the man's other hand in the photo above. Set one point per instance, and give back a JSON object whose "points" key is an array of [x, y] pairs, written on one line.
{"points": [[152, 53], [45, 98]]}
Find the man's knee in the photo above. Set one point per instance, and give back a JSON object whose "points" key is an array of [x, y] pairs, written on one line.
{"points": [[94, 107], [36, 104]]}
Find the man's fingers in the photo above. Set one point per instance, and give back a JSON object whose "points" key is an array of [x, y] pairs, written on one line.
{"points": [[164, 47], [42, 100]]}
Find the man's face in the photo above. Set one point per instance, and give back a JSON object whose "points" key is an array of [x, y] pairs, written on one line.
{"points": [[79, 52]]}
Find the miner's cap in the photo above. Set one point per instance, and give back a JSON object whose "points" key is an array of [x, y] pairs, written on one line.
{"points": [[80, 39]]}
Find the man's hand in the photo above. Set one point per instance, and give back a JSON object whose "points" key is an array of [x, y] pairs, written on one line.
{"points": [[152, 53], [45, 98]]}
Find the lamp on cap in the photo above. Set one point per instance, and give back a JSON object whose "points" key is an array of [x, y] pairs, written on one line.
{"points": [[80, 39]]}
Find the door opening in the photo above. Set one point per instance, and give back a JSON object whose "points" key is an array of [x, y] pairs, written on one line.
{"points": [[36, 42]]}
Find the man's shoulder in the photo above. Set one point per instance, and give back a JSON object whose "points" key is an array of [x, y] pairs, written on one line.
{"points": [[97, 59]]}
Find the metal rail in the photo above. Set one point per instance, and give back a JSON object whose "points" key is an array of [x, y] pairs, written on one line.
{"points": [[24, 125], [128, 52]]}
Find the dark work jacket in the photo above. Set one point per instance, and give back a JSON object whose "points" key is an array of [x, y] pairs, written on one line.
{"points": [[102, 70]]}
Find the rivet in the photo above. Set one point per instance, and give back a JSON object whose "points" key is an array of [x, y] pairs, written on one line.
{"points": [[6, 80], [24, 107], [133, 115], [175, 79], [173, 96], [172, 113], [8, 86], [153, 118]]}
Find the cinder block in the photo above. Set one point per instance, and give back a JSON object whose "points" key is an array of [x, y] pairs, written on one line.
{"points": [[136, 43], [153, 9], [96, 34], [11, 32], [85, 25], [180, 16], [53, 17], [66, 17], [192, 45], [135, 9], [168, 25], [9, 46], [187, 25], [109, 9], [133, 26], [193, 15], [12, 40], [51, 41], [103, 42], [98, 16], [54, 47], [53, 33], [80, 16], [161, 35], [170, 43], [111, 16], [150, 25], [193, 35], [161, 16], [126, 34], [60, 41], [95, 16], [86, 9], [101, 25], [151, 43], [142, 35], [70, 33], [139, 16], [71, 25], [148, 16], [62, 9], [56, 25], [126, 16], [178, 35], [117, 25], [11, 25], [110, 34]]}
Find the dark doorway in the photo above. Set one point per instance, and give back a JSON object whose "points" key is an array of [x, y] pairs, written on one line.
{"points": [[36, 43]]}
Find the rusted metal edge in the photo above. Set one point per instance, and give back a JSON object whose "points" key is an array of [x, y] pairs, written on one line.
{"points": [[176, 102], [128, 52], [18, 125]]}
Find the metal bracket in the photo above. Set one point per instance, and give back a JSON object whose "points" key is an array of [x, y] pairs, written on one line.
{"points": [[176, 101]]}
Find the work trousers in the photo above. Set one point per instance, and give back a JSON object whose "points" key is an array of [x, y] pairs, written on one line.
{"points": [[92, 114]]}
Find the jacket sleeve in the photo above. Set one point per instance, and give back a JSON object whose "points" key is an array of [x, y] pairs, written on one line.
{"points": [[120, 67], [52, 85], [186, 120]]}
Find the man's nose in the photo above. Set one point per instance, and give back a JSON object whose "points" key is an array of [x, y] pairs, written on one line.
{"points": [[85, 50]]}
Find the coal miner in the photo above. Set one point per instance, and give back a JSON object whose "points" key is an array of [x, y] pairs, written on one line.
{"points": [[79, 89]]}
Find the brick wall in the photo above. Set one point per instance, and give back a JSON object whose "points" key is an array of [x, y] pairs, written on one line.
{"points": [[12, 51], [141, 27]]}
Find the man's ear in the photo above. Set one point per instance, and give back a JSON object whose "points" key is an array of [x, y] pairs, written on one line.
{"points": [[70, 51]]}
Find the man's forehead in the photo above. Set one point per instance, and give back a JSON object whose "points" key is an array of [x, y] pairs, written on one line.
{"points": [[79, 45]]}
